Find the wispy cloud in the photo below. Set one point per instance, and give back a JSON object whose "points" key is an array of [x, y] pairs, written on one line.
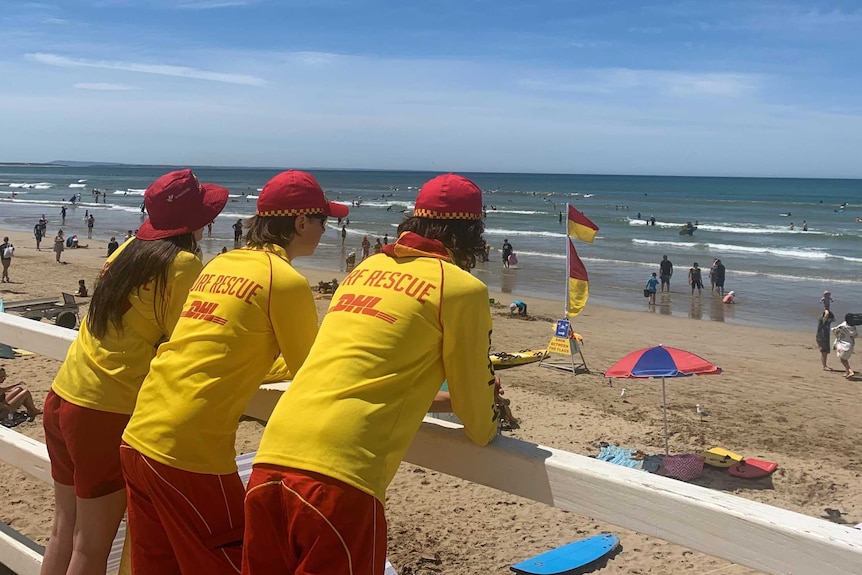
{"points": [[212, 4], [672, 83], [158, 69], [105, 87]]}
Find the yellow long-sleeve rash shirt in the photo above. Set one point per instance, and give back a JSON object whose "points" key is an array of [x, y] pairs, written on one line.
{"points": [[106, 373], [398, 326], [247, 306]]}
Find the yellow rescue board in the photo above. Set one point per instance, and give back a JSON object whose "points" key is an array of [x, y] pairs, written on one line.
{"points": [[720, 457], [503, 360]]}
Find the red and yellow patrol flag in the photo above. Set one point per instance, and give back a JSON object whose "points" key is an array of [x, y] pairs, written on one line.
{"points": [[581, 227], [579, 283]]}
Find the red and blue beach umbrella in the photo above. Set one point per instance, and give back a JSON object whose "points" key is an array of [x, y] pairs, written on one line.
{"points": [[662, 362]]}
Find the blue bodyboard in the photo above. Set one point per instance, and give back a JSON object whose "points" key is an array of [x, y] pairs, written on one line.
{"points": [[568, 557]]}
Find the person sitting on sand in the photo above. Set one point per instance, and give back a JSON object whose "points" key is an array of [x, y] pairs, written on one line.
{"points": [[845, 341], [729, 298], [82, 289], [12, 397]]}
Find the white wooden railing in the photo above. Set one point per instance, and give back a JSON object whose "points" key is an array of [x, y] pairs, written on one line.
{"points": [[749, 533]]}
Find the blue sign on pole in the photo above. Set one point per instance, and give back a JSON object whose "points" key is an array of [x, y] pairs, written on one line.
{"points": [[564, 328]]}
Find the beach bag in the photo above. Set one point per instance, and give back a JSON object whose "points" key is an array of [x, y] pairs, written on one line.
{"points": [[8, 251], [513, 259], [646, 292], [686, 466]]}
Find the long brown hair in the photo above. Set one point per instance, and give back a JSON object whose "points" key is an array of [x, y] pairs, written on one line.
{"points": [[462, 237], [275, 230], [140, 263]]}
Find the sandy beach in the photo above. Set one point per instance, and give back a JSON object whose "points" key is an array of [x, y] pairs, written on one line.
{"points": [[773, 402]]}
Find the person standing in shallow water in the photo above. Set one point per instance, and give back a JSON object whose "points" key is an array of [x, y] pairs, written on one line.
{"points": [[695, 279], [651, 285], [665, 272]]}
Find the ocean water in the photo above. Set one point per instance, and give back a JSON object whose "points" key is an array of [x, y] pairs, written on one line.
{"points": [[777, 273]]}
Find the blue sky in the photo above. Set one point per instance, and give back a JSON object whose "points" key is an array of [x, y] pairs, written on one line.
{"points": [[621, 87]]}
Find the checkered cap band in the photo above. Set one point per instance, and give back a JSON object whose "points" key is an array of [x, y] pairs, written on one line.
{"points": [[293, 212], [423, 213]]}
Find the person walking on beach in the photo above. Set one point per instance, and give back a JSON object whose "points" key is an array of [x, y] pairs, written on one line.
{"points": [[652, 287], [63, 215], [338, 434], [824, 329], [185, 495], [91, 221], [37, 232], [7, 250], [845, 341], [135, 306], [112, 246], [694, 278], [718, 272], [665, 272], [507, 251], [59, 245], [366, 247], [343, 234]]}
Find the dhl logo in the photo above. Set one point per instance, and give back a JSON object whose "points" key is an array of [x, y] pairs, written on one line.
{"points": [[362, 304], [203, 310]]}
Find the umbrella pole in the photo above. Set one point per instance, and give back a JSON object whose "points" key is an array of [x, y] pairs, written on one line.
{"points": [[664, 406]]}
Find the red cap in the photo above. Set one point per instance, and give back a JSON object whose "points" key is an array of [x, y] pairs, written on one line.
{"points": [[449, 197], [178, 204], [292, 193]]}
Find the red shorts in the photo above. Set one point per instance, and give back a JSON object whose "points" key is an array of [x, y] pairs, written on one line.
{"points": [[84, 446], [182, 522], [301, 522]]}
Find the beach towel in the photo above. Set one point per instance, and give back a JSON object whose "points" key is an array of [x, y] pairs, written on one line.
{"points": [[619, 456], [630, 457]]}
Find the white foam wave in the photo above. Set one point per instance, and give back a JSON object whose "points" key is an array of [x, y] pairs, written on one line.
{"points": [[77, 185], [31, 186], [81, 181], [796, 253], [541, 254], [136, 190], [129, 192], [517, 233], [520, 212], [396, 206]]}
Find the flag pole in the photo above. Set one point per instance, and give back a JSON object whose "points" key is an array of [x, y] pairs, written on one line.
{"points": [[568, 263]]}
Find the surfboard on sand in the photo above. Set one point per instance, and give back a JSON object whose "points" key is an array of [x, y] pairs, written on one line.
{"points": [[750, 468], [720, 457], [569, 557], [503, 360]]}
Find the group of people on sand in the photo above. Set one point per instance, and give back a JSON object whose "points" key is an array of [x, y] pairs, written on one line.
{"points": [[143, 412], [844, 333]]}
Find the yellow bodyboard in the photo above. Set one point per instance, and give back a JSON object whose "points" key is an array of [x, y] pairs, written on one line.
{"points": [[720, 457]]}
